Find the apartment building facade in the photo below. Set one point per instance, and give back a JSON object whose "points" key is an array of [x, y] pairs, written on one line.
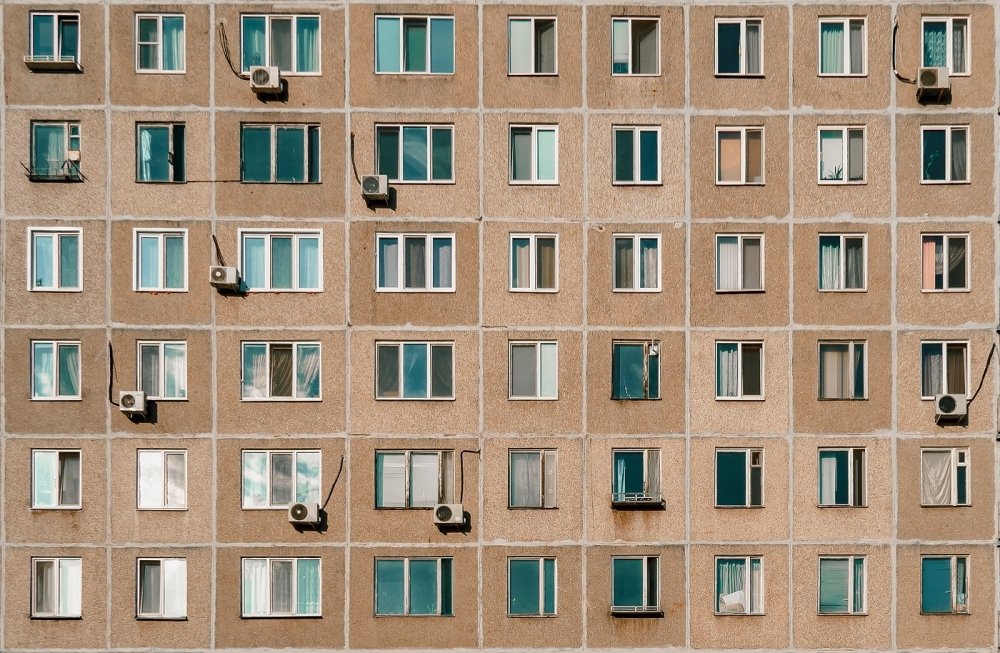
{"points": [[671, 298]]}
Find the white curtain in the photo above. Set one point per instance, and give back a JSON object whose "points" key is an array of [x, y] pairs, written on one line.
{"points": [[935, 486], [145, 154], [827, 479], [753, 51], [151, 485], [255, 371], [731, 585], [525, 479], [727, 369], [834, 370], [255, 583], [958, 46], [388, 257], [173, 43], [728, 263], [44, 465], [829, 263], [391, 480], [175, 587], [442, 252], [70, 587], [176, 479], [308, 364], [43, 369], [959, 147], [424, 488], [255, 479], [307, 586], [548, 361], [520, 270], [619, 484], [931, 369], [756, 586], [175, 370], [649, 263]]}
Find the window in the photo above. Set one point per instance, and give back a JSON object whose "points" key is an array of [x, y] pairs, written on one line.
{"points": [[55, 478], [413, 586], [842, 370], [842, 47], [739, 478], [944, 477], [415, 262], [739, 585], [414, 370], [159, 43], [944, 584], [55, 38], [163, 369], [944, 152], [843, 261], [636, 476], [739, 46], [532, 479], [291, 43], [534, 262], [415, 154], [414, 479], [945, 264], [943, 368], [637, 262], [842, 585], [635, 370], [531, 46], [740, 155], [161, 479], [160, 153], [56, 588], [842, 477], [281, 261], [279, 154], [739, 262], [281, 370], [415, 44], [282, 587], [841, 155], [946, 44], [534, 154], [635, 584], [55, 369], [534, 370], [162, 588], [637, 155], [635, 46], [531, 587], [55, 151], [279, 478], [160, 260], [56, 264], [739, 370]]}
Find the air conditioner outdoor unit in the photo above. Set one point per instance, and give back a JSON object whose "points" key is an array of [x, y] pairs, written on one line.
{"points": [[449, 513], [950, 407], [265, 80], [303, 513], [224, 277], [375, 187], [132, 402], [933, 82], [73, 156]]}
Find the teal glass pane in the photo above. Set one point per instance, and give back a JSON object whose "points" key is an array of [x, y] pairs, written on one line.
{"points": [[149, 262], [546, 153], [254, 478], [253, 261], [840, 495], [520, 152], [291, 164], [649, 155], [48, 149], [859, 585], [256, 154], [307, 372], [174, 255], [627, 585], [173, 43], [307, 586], [624, 155], [441, 371], [69, 370], [388, 151], [934, 168], [307, 465], [174, 370], [730, 478], [69, 38], [387, 54], [442, 45], [281, 262], [423, 586], [153, 157], [253, 41], [935, 43], [831, 55], [654, 378], [414, 153], [627, 362], [727, 44], [446, 590], [833, 579], [313, 155], [389, 597], [629, 472], [415, 45], [441, 154], [935, 585], [43, 369], [308, 263], [414, 371], [42, 261], [549, 590], [307, 44], [43, 36], [523, 586], [69, 261]]}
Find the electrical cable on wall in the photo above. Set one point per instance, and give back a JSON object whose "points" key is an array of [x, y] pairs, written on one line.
{"points": [[461, 471], [218, 251], [224, 46], [905, 80], [989, 359], [334, 484], [111, 374]]}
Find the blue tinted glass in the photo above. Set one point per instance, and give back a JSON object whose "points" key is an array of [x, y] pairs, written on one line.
{"points": [[256, 154], [414, 153], [731, 478], [442, 45], [389, 597], [414, 371], [728, 48]]}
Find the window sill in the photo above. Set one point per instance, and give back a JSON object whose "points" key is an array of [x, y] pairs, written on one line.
{"points": [[842, 75], [282, 291], [636, 613], [639, 504], [413, 616], [942, 182], [530, 184], [945, 505], [531, 616], [281, 616], [172, 400], [739, 183], [647, 291], [739, 614], [161, 182], [56, 617], [56, 290], [739, 75], [636, 75], [842, 290], [739, 507], [841, 614], [741, 291], [414, 399], [412, 73], [613, 398], [245, 74], [534, 290], [184, 509], [510, 74], [57, 508], [413, 291], [404, 507], [57, 399], [945, 614], [532, 507], [941, 291], [157, 291], [152, 71], [838, 182], [841, 398], [637, 184], [52, 63], [55, 179], [280, 183], [739, 398], [532, 398], [140, 617], [419, 182], [279, 400], [826, 506]]}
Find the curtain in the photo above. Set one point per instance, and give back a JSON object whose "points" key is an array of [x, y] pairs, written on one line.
{"points": [[956, 369], [859, 585], [253, 261], [389, 585], [834, 371], [387, 44], [69, 370], [755, 157], [956, 262], [307, 586], [727, 370], [70, 587], [546, 155], [307, 381], [959, 149], [69, 478], [281, 54], [729, 145], [253, 42], [833, 580], [442, 45], [149, 369], [857, 28], [281, 473], [43, 369], [730, 585], [525, 479], [423, 479], [828, 478], [45, 587], [254, 371], [520, 154], [414, 153], [309, 271], [931, 262], [653, 473], [831, 48], [175, 587], [173, 261], [415, 45], [829, 262], [727, 263], [931, 368], [523, 370], [145, 154], [43, 478], [958, 31], [546, 264], [442, 262], [752, 264], [149, 587], [619, 46], [624, 264], [282, 362], [855, 262], [307, 465], [43, 261], [961, 582], [48, 150], [935, 43], [414, 371], [935, 485], [756, 586], [855, 154], [390, 480], [831, 154], [649, 263], [255, 479], [307, 44], [387, 371], [545, 46], [548, 370], [151, 479], [255, 586], [388, 257], [415, 251], [173, 43], [753, 48]]}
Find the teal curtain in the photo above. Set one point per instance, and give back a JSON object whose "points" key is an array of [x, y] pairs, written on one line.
{"points": [[69, 261], [523, 587], [441, 167], [291, 154], [309, 272], [415, 45], [414, 153], [307, 44], [48, 151], [387, 44], [174, 370], [253, 261], [423, 586], [833, 580], [831, 48], [627, 583], [281, 262], [935, 585], [43, 369], [43, 36], [307, 584], [174, 259], [254, 43], [935, 43], [442, 45], [173, 43], [43, 265], [69, 370], [414, 371], [387, 147], [649, 155], [624, 155], [730, 582], [256, 154], [730, 478]]}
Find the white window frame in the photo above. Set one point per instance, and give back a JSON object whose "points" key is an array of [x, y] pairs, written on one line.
{"points": [[763, 369], [71, 169], [56, 42], [401, 237], [843, 261], [533, 260], [845, 142], [172, 128], [740, 236], [55, 232], [165, 579], [649, 475], [162, 370], [852, 609], [547, 458], [268, 17], [960, 457], [646, 608], [295, 235], [159, 43], [949, 31], [535, 129], [428, 127], [541, 587], [536, 344], [306, 127], [749, 453], [747, 585], [430, 368], [402, 44], [845, 22], [445, 473], [534, 72], [57, 480], [851, 473], [637, 153], [956, 607], [945, 239], [629, 20], [161, 235], [948, 131], [57, 563], [163, 453], [295, 362], [742, 22], [637, 238], [944, 363], [852, 345], [294, 591], [406, 584], [650, 349], [267, 481], [742, 131], [56, 344]]}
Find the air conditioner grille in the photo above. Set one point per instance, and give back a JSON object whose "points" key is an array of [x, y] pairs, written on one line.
{"points": [[261, 77], [443, 513], [128, 401], [370, 185], [928, 78], [219, 274], [947, 404], [299, 511]]}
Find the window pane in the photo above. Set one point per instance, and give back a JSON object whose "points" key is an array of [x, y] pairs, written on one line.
{"points": [[256, 154], [935, 43], [730, 478], [644, 47], [45, 587], [281, 262], [442, 45], [956, 263], [546, 264], [174, 261], [548, 370], [524, 587], [291, 154], [728, 48], [42, 35], [388, 151], [281, 370], [833, 578], [441, 154], [414, 371], [624, 155], [755, 156], [628, 362], [281, 44], [69, 370], [281, 586], [149, 587], [752, 259], [415, 251], [730, 153], [855, 263], [441, 373], [649, 155], [151, 479], [307, 374], [442, 262], [624, 263], [931, 368], [307, 466], [387, 46], [627, 587], [520, 154], [69, 37], [619, 46], [173, 43], [956, 369], [519, 47], [831, 155], [855, 154], [549, 567], [547, 154], [154, 154], [307, 586], [415, 153], [423, 586], [629, 473], [70, 587], [959, 150], [545, 45], [934, 155], [388, 371], [149, 369], [176, 480], [253, 41], [959, 31], [751, 363], [307, 44], [415, 44], [525, 482], [935, 585], [390, 480], [520, 263], [43, 262], [523, 371], [831, 48], [281, 479], [309, 272]]}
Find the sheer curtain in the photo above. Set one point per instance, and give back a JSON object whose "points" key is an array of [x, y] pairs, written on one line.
{"points": [[730, 584], [423, 479], [416, 260], [827, 478], [69, 370], [281, 586], [282, 364], [756, 585], [307, 586], [43, 475], [958, 46], [546, 255], [70, 587], [753, 52], [307, 44], [619, 480], [649, 263], [309, 272], [254, 479], [831, 48], [175, 370], [69, 478], [931, 367], [390, 475], [254, 371], [49, 150], [442, 261], [835, 379], [43, 366], [150, 479], [727, 263], [175, 588], [308, 372], [857, 47], [255, 595], [752, 264], [935, 483], [173, 43], [525, 479], [855, 262], [624, 253], [254, 44], [959, 148], [653, 473], [43, 263], [956, 369], [388, 257], [829, 262], [935, 43], [727, 367], [253, 262], [145, 154], [307, 466]]}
